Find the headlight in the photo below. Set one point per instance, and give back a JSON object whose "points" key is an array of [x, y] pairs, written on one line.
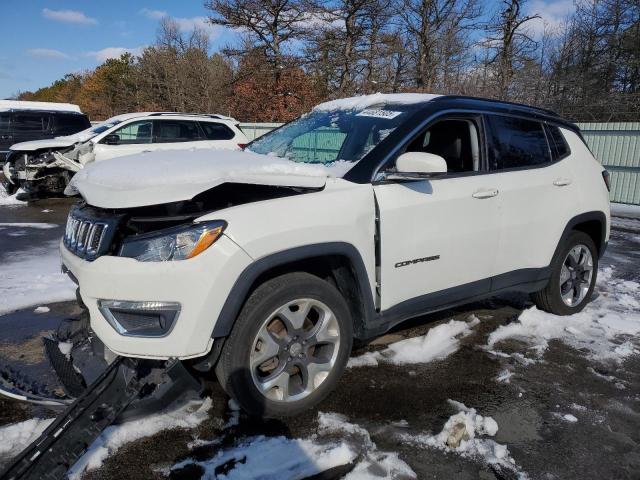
{"points": [[177, 243]]}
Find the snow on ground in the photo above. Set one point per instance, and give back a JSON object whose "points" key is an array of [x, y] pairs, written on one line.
{"points": [[439, 342], [6, 199], [625, 210], [186, 415], [275, 458], [567, 417], [465, 434], [32, 278], [373, 463], [337, 442], [14, 438], [39, 226], [607, 328], [626, 224]]}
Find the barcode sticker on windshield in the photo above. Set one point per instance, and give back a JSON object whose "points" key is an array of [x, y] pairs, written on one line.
{"points": [[388, 114]]}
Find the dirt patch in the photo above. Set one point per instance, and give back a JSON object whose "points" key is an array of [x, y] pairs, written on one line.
{"points": [[30, 351]]}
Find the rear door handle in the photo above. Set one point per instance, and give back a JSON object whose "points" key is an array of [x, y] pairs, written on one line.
{"points": [[562, 182], [485, 193]]}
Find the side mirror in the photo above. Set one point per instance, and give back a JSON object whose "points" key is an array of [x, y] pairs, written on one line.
{"points": [[112, 139], [420, 163]]}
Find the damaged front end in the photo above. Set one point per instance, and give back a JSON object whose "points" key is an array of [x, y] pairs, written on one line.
{"points": [[46, 172]]}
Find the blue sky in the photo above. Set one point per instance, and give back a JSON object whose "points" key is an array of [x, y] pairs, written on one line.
{"points": [[45, 39]]}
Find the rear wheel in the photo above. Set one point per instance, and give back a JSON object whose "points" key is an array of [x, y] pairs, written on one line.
{"points": [[573, 277], [288, 347]]}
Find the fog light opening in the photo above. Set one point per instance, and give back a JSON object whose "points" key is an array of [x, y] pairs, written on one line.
{"points": [[140, 319]]}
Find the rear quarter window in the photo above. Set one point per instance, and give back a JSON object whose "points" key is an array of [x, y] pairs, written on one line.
{"points": [[517, 143], [216, 131], [559, 146]]}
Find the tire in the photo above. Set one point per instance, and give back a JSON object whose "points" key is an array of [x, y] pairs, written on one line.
{"points": [[288, 347], [9, 187], [551, 299]]}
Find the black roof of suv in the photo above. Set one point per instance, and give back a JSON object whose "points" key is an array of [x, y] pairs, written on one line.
{"points": [[23, 125]]}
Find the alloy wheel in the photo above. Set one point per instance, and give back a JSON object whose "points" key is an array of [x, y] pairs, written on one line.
{"points": [[294, 350], [576, 275]]}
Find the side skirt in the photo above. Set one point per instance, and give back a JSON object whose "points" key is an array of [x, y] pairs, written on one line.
{"points": [[526, 280]]}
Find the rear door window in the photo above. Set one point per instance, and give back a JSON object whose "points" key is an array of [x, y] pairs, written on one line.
{"points": [[174, 131], [517, 143], [30, 122], [135, 132], [216, 131]]}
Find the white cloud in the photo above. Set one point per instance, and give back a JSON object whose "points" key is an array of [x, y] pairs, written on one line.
{"points": [[552, 14], [185, 24], [202, 23], [114, 52], [153, 14], [68, 16], [46, 53]]}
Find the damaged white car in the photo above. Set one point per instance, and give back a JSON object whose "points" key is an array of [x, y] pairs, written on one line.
{"points": [[261, 267], [44, 167]]}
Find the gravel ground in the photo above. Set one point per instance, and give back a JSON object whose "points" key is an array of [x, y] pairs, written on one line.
{"points": [[394, 403]]}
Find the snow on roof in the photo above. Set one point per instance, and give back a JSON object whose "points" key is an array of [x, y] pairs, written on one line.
{"points": [[364, 101], [48, 106], [126, 116]]}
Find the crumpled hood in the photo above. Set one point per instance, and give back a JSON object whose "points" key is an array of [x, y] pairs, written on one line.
{"points": [[158, 177], [57, 142]]}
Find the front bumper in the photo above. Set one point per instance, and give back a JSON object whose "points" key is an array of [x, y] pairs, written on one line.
{"points": [[199, 285]]}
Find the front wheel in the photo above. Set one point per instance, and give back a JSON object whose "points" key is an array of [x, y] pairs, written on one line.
{"points": [[573, 277], [289, 346]]}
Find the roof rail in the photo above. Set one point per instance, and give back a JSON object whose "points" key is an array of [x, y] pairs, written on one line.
{"points": [[502, 102], [182, 114]]}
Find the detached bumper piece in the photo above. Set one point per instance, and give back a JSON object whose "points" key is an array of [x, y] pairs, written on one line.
{"points": [[109, 398]]}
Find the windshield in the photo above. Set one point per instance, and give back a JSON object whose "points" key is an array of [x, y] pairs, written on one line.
{"points": [[107, 124], [326, 137], [91, 132]]}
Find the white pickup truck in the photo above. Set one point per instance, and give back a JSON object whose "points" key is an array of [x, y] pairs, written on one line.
{"points": [[264, 265]]}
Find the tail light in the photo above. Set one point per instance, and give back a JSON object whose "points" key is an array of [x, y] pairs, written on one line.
{"points": [[242, 145], [607, 179]]}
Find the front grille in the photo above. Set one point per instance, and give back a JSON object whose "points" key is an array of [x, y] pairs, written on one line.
{"points": [[89, 234]]}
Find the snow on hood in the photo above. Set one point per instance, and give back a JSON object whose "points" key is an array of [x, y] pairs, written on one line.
{"points": [[364, 101], [153, 178], [57, 142]]}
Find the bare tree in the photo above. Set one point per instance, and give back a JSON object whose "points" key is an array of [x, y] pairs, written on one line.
{"points": [[435, 29], [510, 42], [270, 24]]}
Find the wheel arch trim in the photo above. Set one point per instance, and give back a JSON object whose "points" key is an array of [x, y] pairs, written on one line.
{"points": [[241, 288], [585, 217]]}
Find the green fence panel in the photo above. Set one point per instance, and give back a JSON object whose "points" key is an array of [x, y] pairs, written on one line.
{"points": [[617, 146]]}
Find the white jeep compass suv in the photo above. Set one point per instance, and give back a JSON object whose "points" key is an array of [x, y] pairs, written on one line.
{"points": [[264, 265]]}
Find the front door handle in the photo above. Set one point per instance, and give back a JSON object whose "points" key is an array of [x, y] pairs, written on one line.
{"points": [[485, 193], [562, 182]]}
